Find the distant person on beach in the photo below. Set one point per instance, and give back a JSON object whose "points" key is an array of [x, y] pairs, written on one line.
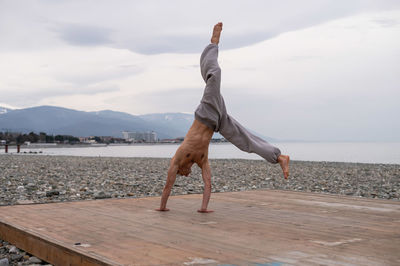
{"points": [[211, 116]]}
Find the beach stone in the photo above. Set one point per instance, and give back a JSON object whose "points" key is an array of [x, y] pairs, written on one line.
{"points": [[16, 257], [4, 262], [34, 260], [30, 186], [12, 249], [101, 195], [52, 193], [24, 201]]}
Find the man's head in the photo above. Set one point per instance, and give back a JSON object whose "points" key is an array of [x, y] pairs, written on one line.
{"points": [[186, 167], [184, 170], [186, 163]]}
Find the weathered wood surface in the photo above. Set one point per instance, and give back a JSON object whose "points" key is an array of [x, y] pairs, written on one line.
{"points": [[247, 228]]}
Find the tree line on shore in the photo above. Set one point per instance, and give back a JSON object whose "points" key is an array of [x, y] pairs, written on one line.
{"points": [[32, 137], [15, 138]]}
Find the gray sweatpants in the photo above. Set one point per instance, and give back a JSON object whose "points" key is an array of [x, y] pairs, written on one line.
{"points": [[212, 111]]}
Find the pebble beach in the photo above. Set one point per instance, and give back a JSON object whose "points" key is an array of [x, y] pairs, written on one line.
{"points": [[28, 179]]}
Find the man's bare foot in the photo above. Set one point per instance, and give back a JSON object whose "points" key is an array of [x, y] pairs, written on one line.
{"points": [[284, 162], [216, 33], [162, 210], [204, 211]]}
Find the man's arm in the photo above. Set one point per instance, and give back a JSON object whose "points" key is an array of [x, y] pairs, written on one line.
{"points": [[206, 174], [173, 169]]}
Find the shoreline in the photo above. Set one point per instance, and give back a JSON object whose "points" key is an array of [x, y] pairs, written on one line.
{"points": [[325, 152], [163, 158]]}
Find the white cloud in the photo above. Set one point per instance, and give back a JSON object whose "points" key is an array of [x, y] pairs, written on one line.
{"points": [[152, 27], [338, 80]]}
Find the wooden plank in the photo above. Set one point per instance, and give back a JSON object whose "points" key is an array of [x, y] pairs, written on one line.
{"points": [[251, 227], [48, 250]]}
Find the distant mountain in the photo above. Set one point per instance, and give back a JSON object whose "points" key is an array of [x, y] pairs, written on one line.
{"points": [[4, 110], [59, 120]]}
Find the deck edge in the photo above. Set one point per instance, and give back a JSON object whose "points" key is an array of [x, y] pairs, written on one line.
{"points": [[49, 251]]}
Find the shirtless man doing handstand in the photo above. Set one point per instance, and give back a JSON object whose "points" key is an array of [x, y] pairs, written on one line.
{"points": [[211, 116]]}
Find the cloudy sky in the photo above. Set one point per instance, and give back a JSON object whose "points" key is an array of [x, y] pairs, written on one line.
{"points": [[311, 70]]}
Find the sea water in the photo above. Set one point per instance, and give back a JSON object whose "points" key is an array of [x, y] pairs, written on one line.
{"points": [[362, 152]]}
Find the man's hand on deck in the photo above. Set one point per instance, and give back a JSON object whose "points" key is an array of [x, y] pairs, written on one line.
{"points": [[204, 211], [162, 210]]}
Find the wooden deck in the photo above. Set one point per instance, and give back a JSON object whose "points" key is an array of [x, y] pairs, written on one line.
{"points": [[247, 228]]}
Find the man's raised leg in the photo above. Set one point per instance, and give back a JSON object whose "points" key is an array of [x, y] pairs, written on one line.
{"points": [[216, 33], [212, 104], [284, 160], [239, 136]]}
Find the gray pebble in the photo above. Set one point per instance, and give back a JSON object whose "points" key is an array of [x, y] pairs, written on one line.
{"points": [[16, 257], [4, 262], [30, 186], [12, 249], [34, 260], [52, 193], [101, 195]]}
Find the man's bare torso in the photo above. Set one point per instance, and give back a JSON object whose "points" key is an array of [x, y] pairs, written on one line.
{"points": [[194, 148]]}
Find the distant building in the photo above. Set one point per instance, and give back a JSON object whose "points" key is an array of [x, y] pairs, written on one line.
{"points": [[140, 136], [87, 140], [83, 139]]}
